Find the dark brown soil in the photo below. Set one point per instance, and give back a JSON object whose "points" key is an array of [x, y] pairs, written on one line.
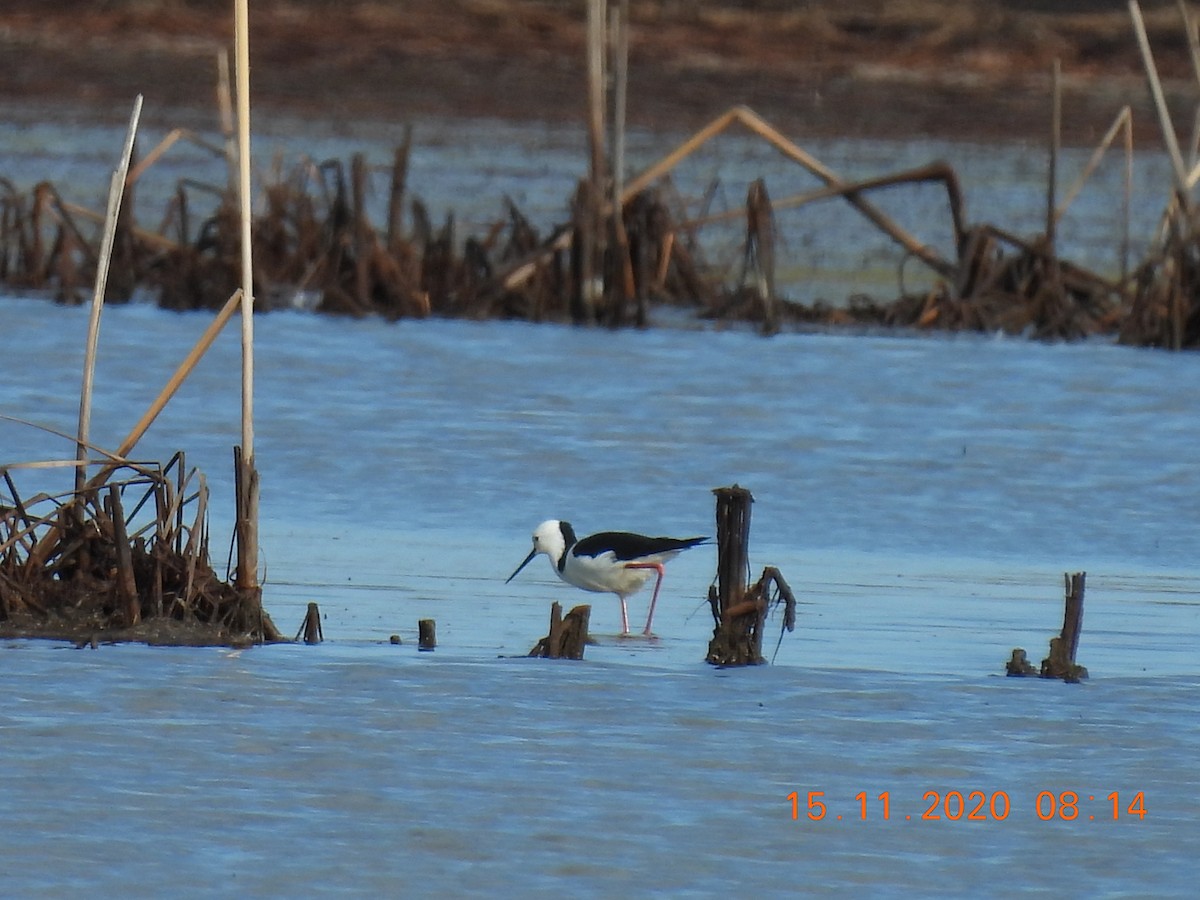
{"points": [[952, 68]]}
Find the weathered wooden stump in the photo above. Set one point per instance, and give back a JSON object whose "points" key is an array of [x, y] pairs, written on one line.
{"points": [[1019, 664], [426, 634], [311, 626], [759, 260], [568, 636], [740, 611], [1061, 661]]}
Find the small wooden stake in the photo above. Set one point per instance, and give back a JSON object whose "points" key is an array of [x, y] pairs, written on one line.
{"points": [[311, 626], [426, 634], [732, 643], [568, 636], [1019, 664], [759, 262], [1061, 661]]}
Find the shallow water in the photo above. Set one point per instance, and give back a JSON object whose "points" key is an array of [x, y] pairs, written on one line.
{"points": [[371, 771], [922, 496]]}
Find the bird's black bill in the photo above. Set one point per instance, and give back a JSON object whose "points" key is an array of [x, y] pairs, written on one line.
{"points": [[532, 554]]}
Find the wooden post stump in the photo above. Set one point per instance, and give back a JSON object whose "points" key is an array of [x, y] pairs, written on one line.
{"points": [[759, 260], [740, 611], [1061, 661], [426, 634], [311, 626], [737, 638], [568, 636], [1019, 664]]}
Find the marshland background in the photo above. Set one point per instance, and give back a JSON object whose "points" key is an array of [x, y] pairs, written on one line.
{"points": [[950, 68], [922, 495]]}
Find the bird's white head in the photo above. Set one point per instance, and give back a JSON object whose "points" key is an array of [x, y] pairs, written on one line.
{"points": [[553, 538]]}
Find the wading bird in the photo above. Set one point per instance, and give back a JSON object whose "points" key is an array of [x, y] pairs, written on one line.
{"points": [[615, 562]]}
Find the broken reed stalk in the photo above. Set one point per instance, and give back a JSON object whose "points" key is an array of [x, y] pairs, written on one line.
{"points": [[115, 192], [126, 582], [247, 568], [619, 45], [181, 373], [1170, 141], [1193, 39], [119, 456], [936, 172], [590, 222], [1052, 176], [626, 285], [751, 120], [225, 108], [159, 150], [172, 386], [596, 22], [568, 635], [759, 259], [246, 529], [1122, 123]]}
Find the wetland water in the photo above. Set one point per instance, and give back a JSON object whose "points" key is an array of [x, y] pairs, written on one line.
{"points": [[923, 496]]}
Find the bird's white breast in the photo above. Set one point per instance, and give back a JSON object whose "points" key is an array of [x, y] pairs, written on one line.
{"points": [[605, 573]]}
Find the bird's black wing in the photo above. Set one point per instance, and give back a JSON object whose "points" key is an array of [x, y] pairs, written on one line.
{"points": [[626, 545]]}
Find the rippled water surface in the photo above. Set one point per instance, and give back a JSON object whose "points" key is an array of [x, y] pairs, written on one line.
{"points": [[922, 496]]}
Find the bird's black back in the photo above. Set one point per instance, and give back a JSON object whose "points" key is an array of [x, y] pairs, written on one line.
{"points": [[628, 546]]}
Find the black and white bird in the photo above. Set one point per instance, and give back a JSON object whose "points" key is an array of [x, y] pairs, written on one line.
{"points": [[615, 562]]}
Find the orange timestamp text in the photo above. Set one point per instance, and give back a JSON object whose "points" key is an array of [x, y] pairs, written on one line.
{"points": [[973, 806]]}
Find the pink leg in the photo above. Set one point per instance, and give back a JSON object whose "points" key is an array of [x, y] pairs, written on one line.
{"points": [[657, 584], [624, 616]]}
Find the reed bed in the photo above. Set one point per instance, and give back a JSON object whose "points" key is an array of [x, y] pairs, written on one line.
{"points": [[316, 247], [125, 558], [624, 249], [82, 570]]}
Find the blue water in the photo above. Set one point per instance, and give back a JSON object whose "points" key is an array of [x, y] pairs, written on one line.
{"points": [[369, 771], [923, 496]]}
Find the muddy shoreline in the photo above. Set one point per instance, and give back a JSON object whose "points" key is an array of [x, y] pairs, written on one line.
{"points": [[957, 70]]}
